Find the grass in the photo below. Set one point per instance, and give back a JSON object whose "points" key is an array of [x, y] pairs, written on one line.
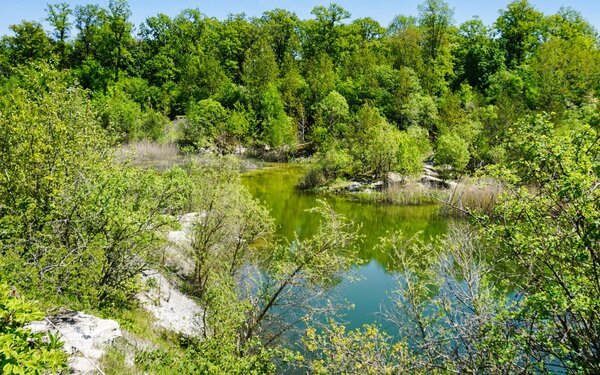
{"points": [[154, 155], [472, 196], [140, 335], [411, 193]]}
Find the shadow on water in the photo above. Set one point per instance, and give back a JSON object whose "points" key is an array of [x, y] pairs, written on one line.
{"points": [[276, 187]]}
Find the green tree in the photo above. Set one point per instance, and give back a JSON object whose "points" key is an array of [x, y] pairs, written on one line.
{"points": [[332, 114], [277, 128], [30, 43], [435, 19], [452, 151], [520, 27], [478, 56], [118, 35], [374, 143], [259, 69], [281, 27], [236, 36], [324, 33], [58, 16], [550, 231], [88, 21], [204, 122], [78, 226]]}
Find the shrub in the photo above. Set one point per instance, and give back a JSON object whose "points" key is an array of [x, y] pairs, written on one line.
{"points": [[452, 151], [329, 165], [21, 351], [205, 119]]}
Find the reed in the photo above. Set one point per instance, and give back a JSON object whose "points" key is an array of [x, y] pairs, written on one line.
{"points": [[472, 196], [150, 154]]}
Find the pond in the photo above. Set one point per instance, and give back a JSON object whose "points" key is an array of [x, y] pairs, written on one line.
{"points": [[275, 187]]}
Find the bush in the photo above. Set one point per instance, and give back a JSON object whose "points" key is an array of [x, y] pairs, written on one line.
{"points": [[412, 148], [119, 115], [205, 120], [21, 351], [329, 165], [452, 151], [76, 226]]}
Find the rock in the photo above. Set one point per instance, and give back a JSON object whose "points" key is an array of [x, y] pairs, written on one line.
{"points": [[176, 258], [377, 186], [354, 186], [85, 338], [393, 179], [434, 182], [239, 150], [172, 309], [429, 171]]}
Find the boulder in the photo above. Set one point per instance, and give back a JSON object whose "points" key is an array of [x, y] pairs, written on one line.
{"points": [[393, 179], [376, 186], [434, 182], [85, 337], [172, 309], [354, 186]]}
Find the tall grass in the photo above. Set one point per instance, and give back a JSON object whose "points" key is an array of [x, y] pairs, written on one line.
{"points": [[471, 196], [410, 193], [150, 154]]}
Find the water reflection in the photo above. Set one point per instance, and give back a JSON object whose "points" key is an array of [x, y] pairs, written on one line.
{"points": [[275, 186]]}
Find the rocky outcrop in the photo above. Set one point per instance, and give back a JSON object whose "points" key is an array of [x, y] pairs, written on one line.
{"points": [[176, 258], [85, 337], [173, 310], [393, 179]]}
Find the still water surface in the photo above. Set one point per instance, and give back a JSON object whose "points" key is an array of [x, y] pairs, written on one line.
{"points": [[275, 187]]}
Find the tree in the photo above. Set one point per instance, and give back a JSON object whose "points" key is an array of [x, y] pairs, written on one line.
{"points": [[236, 35], [520, 27], [324, 34], [157, 52], [277, 128], [58, 16], [119, 34], [566, 73], [230, 225], [435, 19], [332, 114], [88, 21], [29, 43], [551, 231], [568, 24], [314, 263], [259, 69], [478, 56], [374, 143], [78, 226], [282, 29], [205, 120], [400, 23], [320, 77], [452, 151]]}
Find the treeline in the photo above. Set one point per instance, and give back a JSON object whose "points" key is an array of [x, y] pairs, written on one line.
{"points": [[279, 80]]}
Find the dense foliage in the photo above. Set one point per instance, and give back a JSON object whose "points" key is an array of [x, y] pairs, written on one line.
{"points": [[279, 80], [21, 351]]}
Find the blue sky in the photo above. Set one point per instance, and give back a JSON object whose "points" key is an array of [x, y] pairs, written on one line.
{"points": [[14, 11]]}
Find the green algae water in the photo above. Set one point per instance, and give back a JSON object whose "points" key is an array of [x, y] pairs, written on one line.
{"points": [[275, 186]]}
